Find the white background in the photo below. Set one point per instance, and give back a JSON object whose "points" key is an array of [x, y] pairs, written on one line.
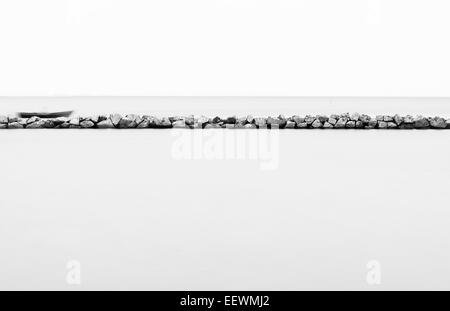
{"points": [[225, 47]]}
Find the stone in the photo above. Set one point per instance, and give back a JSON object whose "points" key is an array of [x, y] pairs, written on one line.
{"points": [[302, 125], [365, 119], [48, 123], [105, 124], [379, 118], [332, 121], [290, 125], [398, 119], [350, 124], [388, 119], [341, 123], [408, 119], [202, 120], [298, 119], [310, 119], [115, 119], [36, 125], [382, 125], [391, 125], [327, 125], [406, 126], [261, 122], [216, 120], [3, 120], [371, 124], [448, 123], [3, 126], [355, 117], [250, 126], [230, 120], [217, 125], [359, 124], [250, 119], [32, 120], [63, 125], [15, 125], [127, 122], [317, 124], [74, 121], [179, 124], [322, 118], [144, 124], [421, 123], [87, 124], [438, 123]]}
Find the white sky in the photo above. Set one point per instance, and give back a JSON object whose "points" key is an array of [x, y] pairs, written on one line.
{"points": [[225, 47]]}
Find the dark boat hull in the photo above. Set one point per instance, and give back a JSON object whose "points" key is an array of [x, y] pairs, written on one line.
{"points": [[45, 115]]}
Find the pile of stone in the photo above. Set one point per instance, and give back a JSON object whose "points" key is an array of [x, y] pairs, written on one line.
{"points": [[335, 121]]}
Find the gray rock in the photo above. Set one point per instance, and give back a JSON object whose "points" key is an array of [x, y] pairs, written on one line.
{"points": [[365, 119], [391, 125], [408, 119], [3, 126], [290, 125], [250, 126], [359, 124], [371, 124], [341, 122], [230, 120], [127, 122], [332, 121], [388, 119], [302, 125], [106, 124], [74, 121], [317, 124], [327, 125], [3, 120], [32, 120], [87, 124], [298, 119], [448, 123], [350, 124], [379, 118], [438, 123], [37, 125], [261, 122], [250, 119], [322, 118], [217, 125], [144, 124], [421, 123], [179, 124], [382, 125], [398, 119], [355, 117], [15, 125], [115, 119], [310, 119]]}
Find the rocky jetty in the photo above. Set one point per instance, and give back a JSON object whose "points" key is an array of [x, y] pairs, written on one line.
{"points": [[132, 121]]}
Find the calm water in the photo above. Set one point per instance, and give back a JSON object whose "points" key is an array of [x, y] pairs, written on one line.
{"points": [[228, 105], [137, 216]]}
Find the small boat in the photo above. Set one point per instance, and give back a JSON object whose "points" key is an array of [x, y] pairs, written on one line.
{"points": [[45, 115]]}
